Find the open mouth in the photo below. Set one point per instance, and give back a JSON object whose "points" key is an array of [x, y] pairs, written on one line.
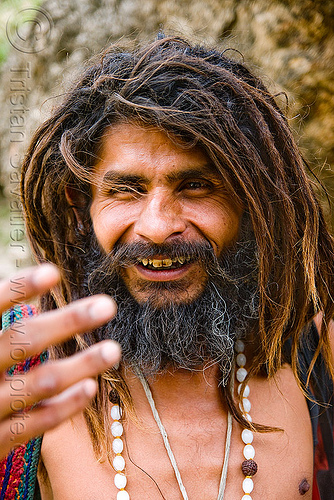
{"points": [[164, 264]]}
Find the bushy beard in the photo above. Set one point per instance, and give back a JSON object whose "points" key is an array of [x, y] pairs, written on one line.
{"points": [[189, 336]]}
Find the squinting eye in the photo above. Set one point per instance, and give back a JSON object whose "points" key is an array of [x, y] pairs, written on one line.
{"points": [[121, 189], [125, 192], [197, 186]]}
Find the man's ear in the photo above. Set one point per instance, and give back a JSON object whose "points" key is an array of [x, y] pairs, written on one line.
{"points": [[78, 202]]}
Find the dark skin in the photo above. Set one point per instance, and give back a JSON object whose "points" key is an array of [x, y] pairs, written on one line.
{"points": [[193, 206], [195, 418], [280, 404], [147, 189]]}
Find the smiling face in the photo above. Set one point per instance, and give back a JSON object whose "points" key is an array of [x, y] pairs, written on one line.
{"points": [[148, 190]]}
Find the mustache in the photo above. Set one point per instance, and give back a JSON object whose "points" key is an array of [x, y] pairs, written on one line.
{"points": [[106, 267], [234, 265], [129, 254]]}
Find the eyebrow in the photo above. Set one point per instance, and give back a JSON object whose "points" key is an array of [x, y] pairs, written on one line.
{"points": [[131, 179], [120, 178], [199, 172]]}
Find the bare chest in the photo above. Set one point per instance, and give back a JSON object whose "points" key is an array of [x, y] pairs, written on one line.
{"points": [[284, 458]]}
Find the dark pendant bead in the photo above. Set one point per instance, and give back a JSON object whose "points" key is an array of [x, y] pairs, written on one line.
{"points": [[114, 397], [249, 467]]}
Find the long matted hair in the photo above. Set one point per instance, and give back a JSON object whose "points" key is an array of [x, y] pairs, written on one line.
{"points": [[199, 97]]}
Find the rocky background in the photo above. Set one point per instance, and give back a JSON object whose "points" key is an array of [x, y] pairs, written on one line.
{"points": [[44, 43]]}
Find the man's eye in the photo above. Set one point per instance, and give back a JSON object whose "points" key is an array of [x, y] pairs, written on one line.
{"points": [[121, 189], [197, 186], [125, 191]]}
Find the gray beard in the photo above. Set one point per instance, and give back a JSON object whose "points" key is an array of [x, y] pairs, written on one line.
{"points": [[188, 336]]}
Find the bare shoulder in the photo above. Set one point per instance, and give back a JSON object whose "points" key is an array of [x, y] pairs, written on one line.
{"points": [[54, 442], [58, 444], [68, 458]]}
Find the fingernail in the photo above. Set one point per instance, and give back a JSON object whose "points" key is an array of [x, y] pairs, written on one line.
{"points": [[47, 383], [44, 274], [89, 388], [102, 309], [109, 352]]}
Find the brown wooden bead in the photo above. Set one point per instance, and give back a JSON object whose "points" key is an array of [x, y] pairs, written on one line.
{"points": [[114, 397], [249, 467]]}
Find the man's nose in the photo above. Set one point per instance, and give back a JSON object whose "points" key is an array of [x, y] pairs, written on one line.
{"points": [[160, 218]]}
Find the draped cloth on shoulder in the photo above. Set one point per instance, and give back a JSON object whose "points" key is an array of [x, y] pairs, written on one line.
{"points": [[18, 471]]}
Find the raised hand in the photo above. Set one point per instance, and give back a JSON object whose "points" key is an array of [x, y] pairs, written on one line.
{"points": [[61, 388]]}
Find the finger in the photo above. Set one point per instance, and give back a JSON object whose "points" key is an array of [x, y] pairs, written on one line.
{"points": [[21, 427], [32, 335], [27, 284], [25, 389]]}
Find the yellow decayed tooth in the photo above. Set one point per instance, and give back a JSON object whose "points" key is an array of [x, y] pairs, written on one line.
{"points": [[150, 261], [181, 260], [167, 262], [157, 263], [145, 262]]}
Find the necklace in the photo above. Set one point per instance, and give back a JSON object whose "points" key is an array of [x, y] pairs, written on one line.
{"points": [[249, 466], [169, 450]]}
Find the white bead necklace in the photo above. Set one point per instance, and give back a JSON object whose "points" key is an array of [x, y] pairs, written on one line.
{"points": [[249, 466], [117, 446]]}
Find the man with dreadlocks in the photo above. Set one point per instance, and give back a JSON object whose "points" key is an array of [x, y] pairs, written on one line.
{"points": [[169, 180]]}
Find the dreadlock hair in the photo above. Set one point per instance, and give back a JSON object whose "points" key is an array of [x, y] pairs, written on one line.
{"points": [[198, 97]]}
